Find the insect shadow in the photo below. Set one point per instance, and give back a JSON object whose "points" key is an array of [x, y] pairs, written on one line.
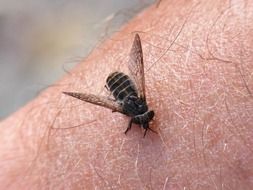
{"points": [[128, 91]]}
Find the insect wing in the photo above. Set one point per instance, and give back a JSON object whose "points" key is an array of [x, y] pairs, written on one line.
{"points": [[136, 66], [97, 100]]}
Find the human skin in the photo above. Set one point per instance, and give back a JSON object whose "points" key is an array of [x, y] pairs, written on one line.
{"points": [[198, 58]]}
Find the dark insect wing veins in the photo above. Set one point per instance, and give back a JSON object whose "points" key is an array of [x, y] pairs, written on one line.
{"points": [[136, 67], [97, 100]]}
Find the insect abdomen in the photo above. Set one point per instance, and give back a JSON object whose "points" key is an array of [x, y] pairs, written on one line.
{"points": [[120, 85]]}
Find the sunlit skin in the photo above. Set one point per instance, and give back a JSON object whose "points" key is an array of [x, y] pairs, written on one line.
{"points": [[198, 60]]}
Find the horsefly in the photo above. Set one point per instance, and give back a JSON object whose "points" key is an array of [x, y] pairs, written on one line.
{"points": [[128, 92]]}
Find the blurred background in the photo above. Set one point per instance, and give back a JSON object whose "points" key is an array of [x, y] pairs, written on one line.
{"points": [[39, 38]]}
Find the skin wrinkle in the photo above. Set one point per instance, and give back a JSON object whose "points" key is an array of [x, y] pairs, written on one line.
{"points": [[63, 180], [165, 183], [102, 178], [237, 129], [136, 164], [40, 147], [192, 130], [150, 179], [30, 162], [206, 163]]}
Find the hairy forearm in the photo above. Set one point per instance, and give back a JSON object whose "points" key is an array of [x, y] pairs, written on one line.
{"points": [[198, 60]]}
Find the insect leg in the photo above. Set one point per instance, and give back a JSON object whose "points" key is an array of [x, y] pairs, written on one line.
{"points": [[152, 130], [146, 127], [145, 132], [129, 126], [107, 88]]}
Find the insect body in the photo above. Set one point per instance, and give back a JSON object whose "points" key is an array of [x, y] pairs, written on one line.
{"points": [[129, 92], [125, 93]]}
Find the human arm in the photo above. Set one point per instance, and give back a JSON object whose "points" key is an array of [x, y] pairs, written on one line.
{"points": [[198, 60]]}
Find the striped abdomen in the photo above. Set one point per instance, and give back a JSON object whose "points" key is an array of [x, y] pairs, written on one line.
{"points": [[120, 85]]}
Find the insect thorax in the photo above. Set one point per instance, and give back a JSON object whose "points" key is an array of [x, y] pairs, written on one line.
{"points": [[132, 106]]}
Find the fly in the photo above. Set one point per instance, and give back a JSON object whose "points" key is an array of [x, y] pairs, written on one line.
{"points": [[128, 91]]}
